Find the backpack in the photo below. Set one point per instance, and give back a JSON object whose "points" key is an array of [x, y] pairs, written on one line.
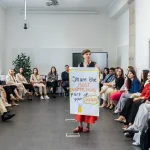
{"points": [[145, 137]]}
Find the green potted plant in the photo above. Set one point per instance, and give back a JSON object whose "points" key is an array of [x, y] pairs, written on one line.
{"points": [[23, 61]]}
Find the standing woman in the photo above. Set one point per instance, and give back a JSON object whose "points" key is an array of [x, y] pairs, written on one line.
{"points": [[83, 118], [21, 79], [52, 80], [37, 81]]}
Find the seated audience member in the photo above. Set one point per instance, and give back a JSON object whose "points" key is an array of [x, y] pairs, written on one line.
{"points": [[37, 81], [65, 80], [118, 83], [52, 81], [4, 97], [21, 79], [107, 86], [133, 86], [5, 115], [139, 122], [116, 69], [132, 105], [116, 95], [128, 69], [144, 80], [7, 94], [105, 73], [11, 80], [109, 77]]}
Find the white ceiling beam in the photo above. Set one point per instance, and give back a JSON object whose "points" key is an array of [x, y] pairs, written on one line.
{"points": [[30, 11], [117, 7]]}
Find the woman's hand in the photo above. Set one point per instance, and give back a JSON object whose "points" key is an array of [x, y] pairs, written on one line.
{"points": [[147, 102], [132, 96], [136, 99]]}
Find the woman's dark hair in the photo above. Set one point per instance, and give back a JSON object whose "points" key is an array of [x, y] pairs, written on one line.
{"points": [[129, 81], [122, 73], [145, 73], [19, 70], [55, 70], [104, 75], [36, 70]]}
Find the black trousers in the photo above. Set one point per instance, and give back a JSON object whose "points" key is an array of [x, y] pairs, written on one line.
{"points": [[9, 89], [53, 85], [130, 110], [65, 85], [100, 86], [29, 87]]}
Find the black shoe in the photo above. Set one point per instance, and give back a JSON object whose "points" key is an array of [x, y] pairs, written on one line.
{"points": [[66, 94], [132, 131], [129, 135], [54, 96], [51, 94], [30, 98], [7, 115]]}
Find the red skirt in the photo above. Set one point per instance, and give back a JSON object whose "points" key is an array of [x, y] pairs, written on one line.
{"points": [[115, 96], [86, 119]]}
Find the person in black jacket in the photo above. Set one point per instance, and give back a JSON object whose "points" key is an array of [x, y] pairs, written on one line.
{"points": [[65, 80]]}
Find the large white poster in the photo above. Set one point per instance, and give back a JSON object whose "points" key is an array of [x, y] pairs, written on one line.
{"points": [[84, 91]]}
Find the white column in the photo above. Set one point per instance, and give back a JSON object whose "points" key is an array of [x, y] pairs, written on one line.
{"points": [[131, 33], [142, 32], [2, 37]]}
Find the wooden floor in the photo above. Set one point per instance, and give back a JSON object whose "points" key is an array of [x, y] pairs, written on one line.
{"points": [[40, 125]]}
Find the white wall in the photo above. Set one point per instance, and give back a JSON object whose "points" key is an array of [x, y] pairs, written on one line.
{"points": [[123, 29], [123, 39], [142, 22], [2, 35], [52, 31]]}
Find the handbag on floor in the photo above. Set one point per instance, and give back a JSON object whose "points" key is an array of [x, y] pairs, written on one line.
{"points": [[145, 137]]}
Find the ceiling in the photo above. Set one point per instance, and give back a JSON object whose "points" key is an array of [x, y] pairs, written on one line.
{"points": [[63, 4]]}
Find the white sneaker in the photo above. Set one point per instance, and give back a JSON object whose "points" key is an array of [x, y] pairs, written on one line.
{"points": [[46, 97], [117, 111], [41, 97], [136, 144], [7, 105]]}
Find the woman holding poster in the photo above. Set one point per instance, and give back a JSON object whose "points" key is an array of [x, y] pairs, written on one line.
{"points": [[83, 118]]}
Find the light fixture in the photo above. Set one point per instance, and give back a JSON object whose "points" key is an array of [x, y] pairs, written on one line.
{"points": [[25, 15], [52, 3]]}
